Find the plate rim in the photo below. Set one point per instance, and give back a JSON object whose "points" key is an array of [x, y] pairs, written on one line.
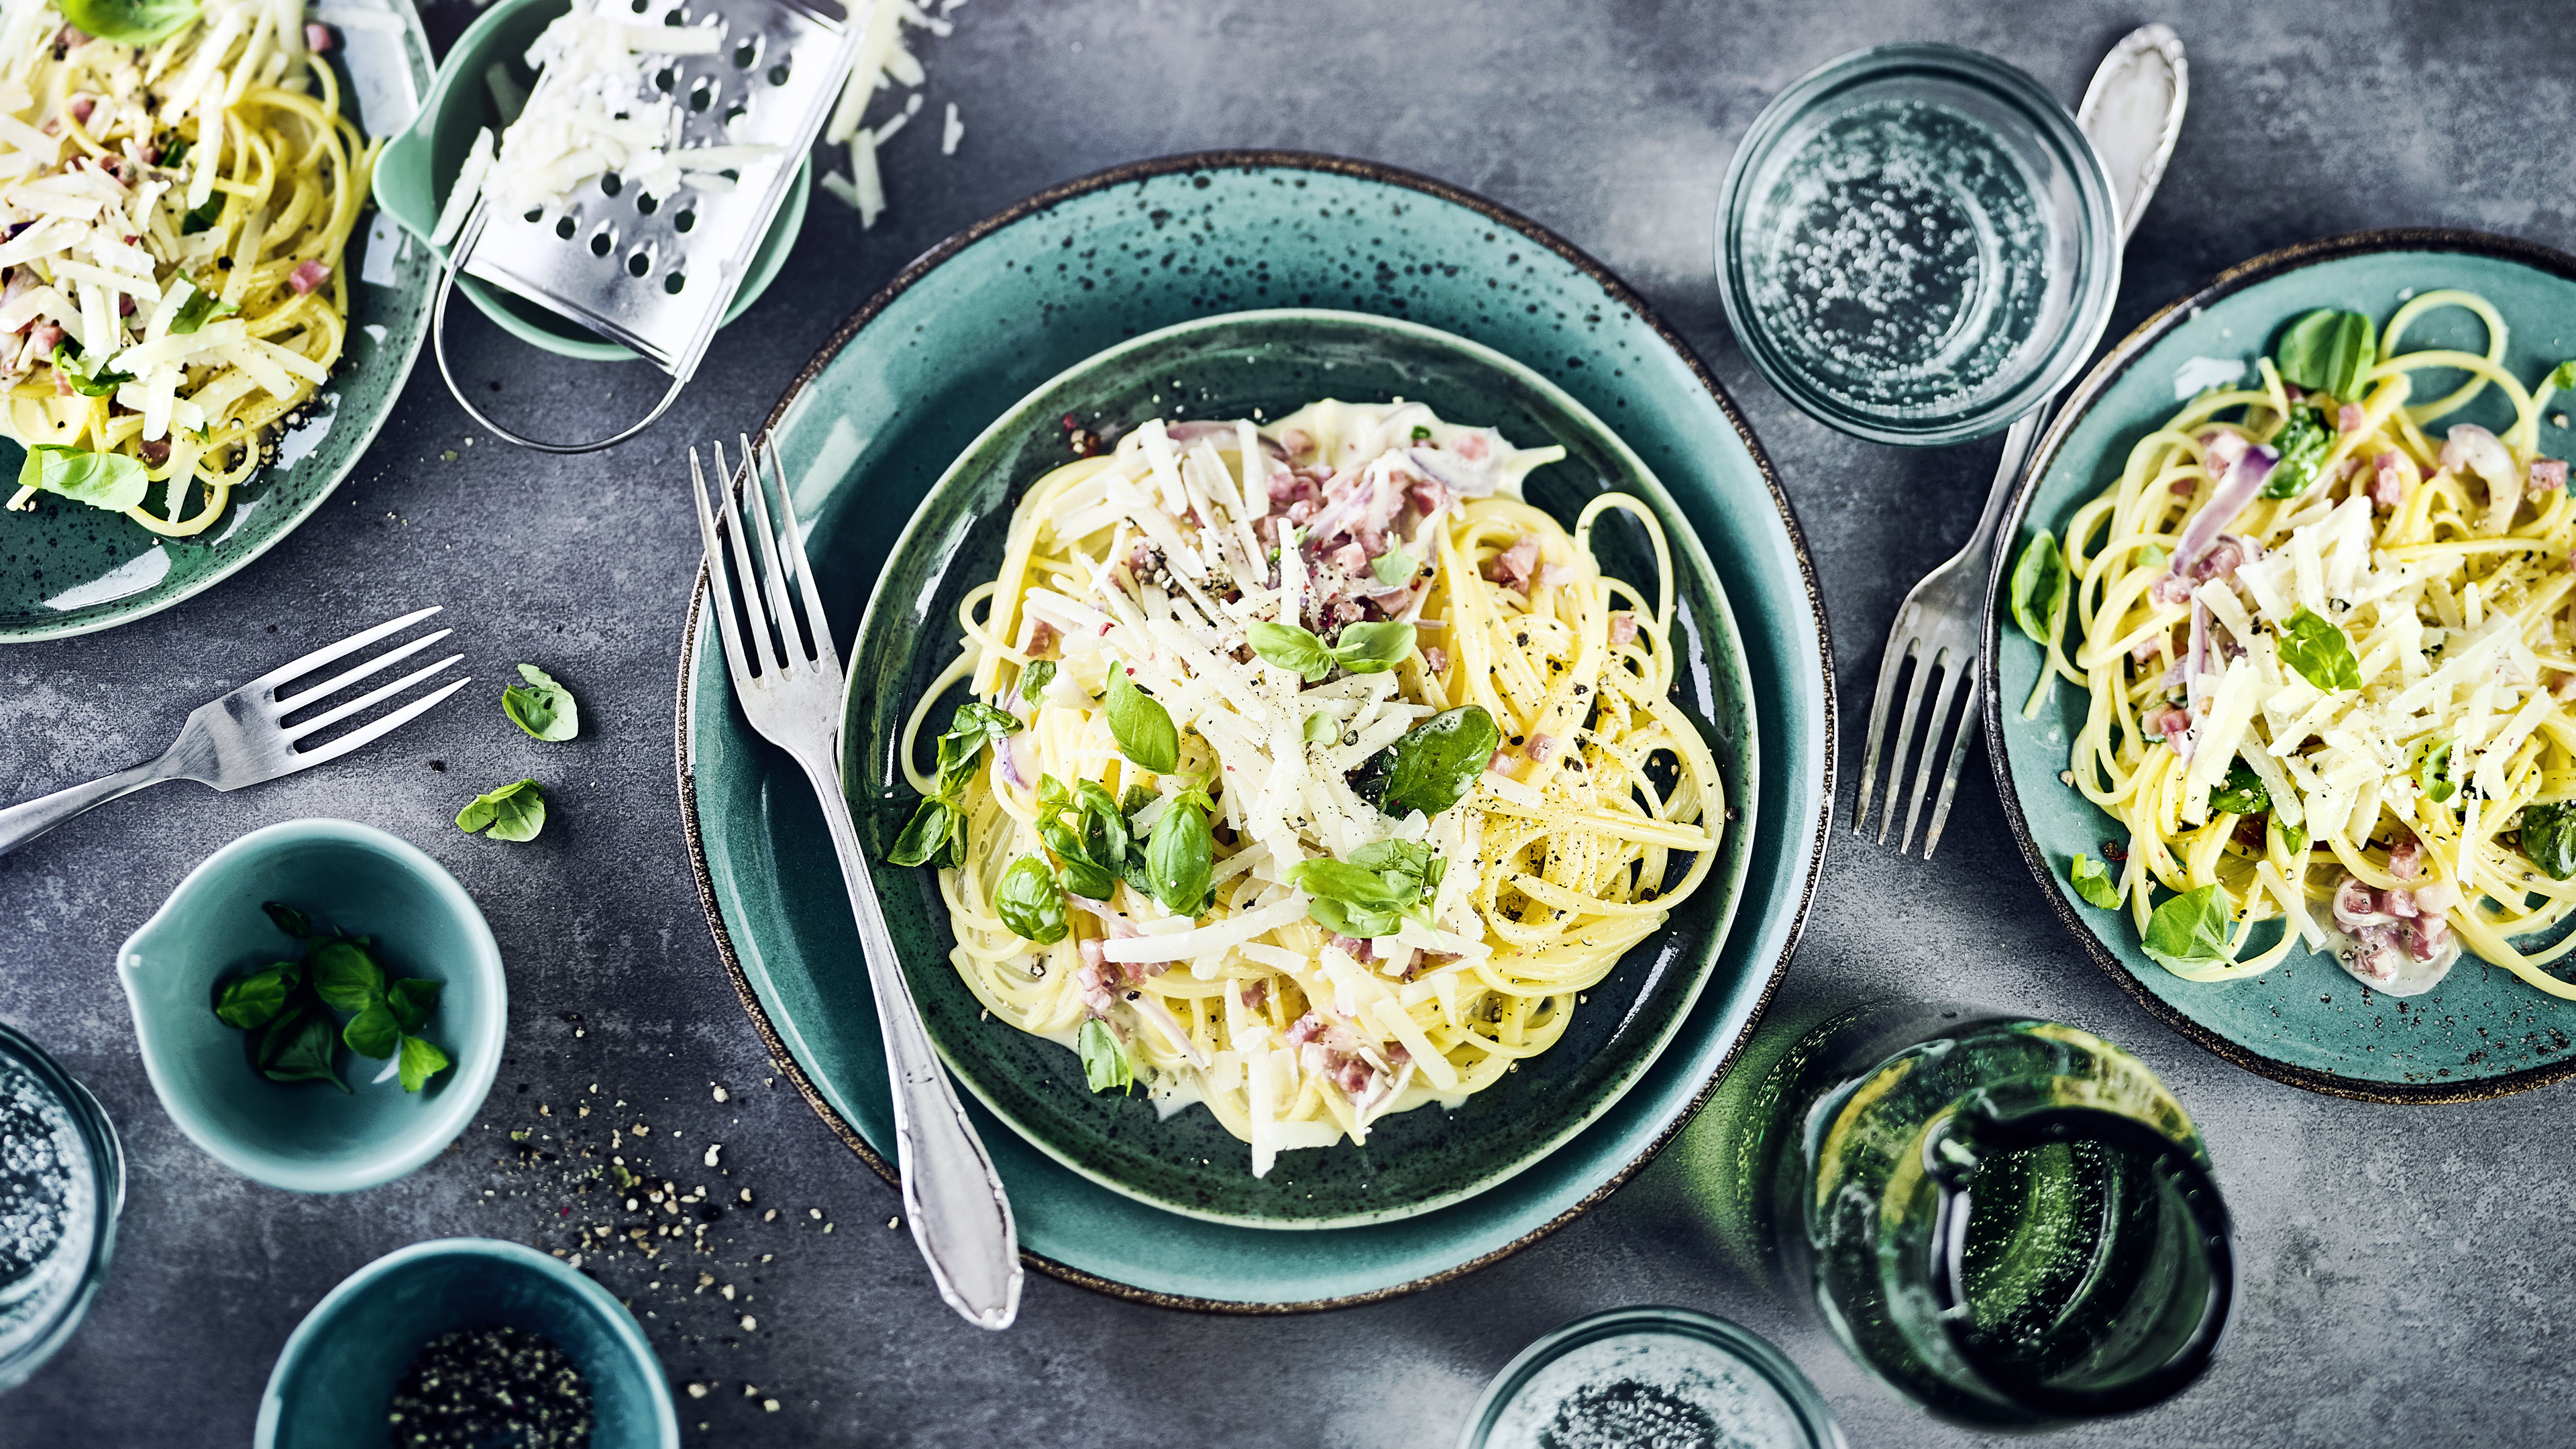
{"points": [[1819, 832], [1696, 558], [424, 55], [2088, 394]]}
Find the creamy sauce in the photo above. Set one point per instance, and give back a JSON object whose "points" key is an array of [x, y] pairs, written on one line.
{"points": [[2414, 977]]}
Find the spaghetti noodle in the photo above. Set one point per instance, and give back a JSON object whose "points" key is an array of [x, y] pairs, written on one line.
{"points": [[1427, 743]]}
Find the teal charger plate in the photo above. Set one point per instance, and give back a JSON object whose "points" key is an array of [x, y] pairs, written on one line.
{"points": [[1269, 362], [70, 569], [970, 329], [2306, 1022]]}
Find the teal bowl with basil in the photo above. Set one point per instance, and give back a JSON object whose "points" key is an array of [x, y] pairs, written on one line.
{"points": [[1266, 364], [311, 1136], [334, 1383]]}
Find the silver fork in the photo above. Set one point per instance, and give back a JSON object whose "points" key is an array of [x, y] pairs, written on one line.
{"points": [[244, 737], [789, 686], [1941, 623]]}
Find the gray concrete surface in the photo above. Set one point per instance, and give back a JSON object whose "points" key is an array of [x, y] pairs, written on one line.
{"points": [[2406, 1269]]}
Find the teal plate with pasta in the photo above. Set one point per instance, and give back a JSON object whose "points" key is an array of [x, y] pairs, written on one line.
{"points": [[66, 568], [2479, 1033], [958, 342]]}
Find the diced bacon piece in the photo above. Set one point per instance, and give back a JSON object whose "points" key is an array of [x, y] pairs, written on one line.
{"points": [[2424, 937], [1540, 747], [1430, 495], [2548, 475], [1470, 446], [2220, 561], [307, 276], [1038, 638], [1256, 996], [1555, 576], [155, 451], [1305, 1029], [2350, 417], [2406, 857], [45, 338], [2167, 722], [2183, 487], [1295, 441], [1353, 559], [1514, 566], [1623, 630], [319, 38], [2221, 449], [82, 105], [2387, 484], [1435, 659], [2375, 954], [1358, 948]]}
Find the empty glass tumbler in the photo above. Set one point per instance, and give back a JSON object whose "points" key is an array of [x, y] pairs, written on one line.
{"points": [[2009, 1221]]}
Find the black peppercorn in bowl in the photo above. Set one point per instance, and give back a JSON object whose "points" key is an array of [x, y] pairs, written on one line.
{"points": [[467, 1341]]}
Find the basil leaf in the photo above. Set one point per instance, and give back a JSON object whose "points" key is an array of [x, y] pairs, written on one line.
{"points": [[1408, 857], [1029, 902], [1035, 678], [411, 1000], [2188, 930], [201, 307], [1104, 1062], [974, 726], [346, 977], [1290, 647], [541, 707], [288, 919], [2291, 838], [1394, 566], [1373, 648], [131, 22], [298, 1047], [1142, 727], [173, 156], [1368, 894], [203, 218], [89, 381], [1344, 919], [1432, 766], [420, 1061], [1421, 434], [111, 481], [2356, 352], [1180, 855], [2437, 773], [1330, 879], [2549, 837], [373, 1032], [2563, 377], [2040, 585], [933, 821], [2302, 443], [514, 812], [1320, 729], [255, 1000], [2305, 357], [2093, 882], [2319, 652], [2242, 793]]}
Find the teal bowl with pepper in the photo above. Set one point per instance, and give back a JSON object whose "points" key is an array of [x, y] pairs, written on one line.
{"points": [[312, 1135], [335, 1380]]}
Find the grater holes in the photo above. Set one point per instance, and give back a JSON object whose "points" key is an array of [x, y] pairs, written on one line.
{"points": [[687, 218], [639, 262], [736, 112], [566, 227], [666, 79], [673, 282], [640, 6], [746, 52], [778, 74], [612, 183], [604, 240], [647, 204], [535, 213], [702, 93], [676, 17]]}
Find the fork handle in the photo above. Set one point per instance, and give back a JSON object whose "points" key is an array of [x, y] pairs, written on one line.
{"points": [[961, 1218], [2018, 440], [22, 823]]}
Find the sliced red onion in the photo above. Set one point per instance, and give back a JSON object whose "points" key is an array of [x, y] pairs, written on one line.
{"points": [[2236, 488], [2480, 452], [1469, 480]]}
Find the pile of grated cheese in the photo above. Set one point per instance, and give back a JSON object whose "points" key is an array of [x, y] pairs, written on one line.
{"points": [[884, 61]]}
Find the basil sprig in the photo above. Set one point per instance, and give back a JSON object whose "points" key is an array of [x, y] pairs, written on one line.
{"points": [[1372, 648], [1030, 903], [513, 812], [292, 1006], [1181, 854], [1142, 727], [2302, 442], [131, 22], [1035, 678], [1371, 893], [543, 708], [1393, 567], [2188, 930], [2319, 651], [1431, 767], [1105, 1067], [2242, 793], [1089, 835], [2092, 880], [95, 380], [201, 308], [938, 825], [2549, 837], [2040, 587], [2330, 352], [111, 481]]}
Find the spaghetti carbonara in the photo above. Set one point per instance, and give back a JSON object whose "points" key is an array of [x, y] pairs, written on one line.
{"points": [[1309, 773], [2329, 665], [176, 201]]}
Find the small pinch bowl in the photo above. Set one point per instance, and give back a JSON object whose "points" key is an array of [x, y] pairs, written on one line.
{"points": [[336, 1376], [309, 1137]]}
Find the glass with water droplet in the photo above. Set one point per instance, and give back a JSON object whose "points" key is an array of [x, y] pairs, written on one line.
{"points": [[2009, 1221]]}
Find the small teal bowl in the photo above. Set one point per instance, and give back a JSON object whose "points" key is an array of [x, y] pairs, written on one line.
{"points": [[307, 1137], [336, 1376]]}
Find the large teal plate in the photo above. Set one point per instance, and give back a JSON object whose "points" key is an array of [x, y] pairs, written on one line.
{"points": [[2306, 1022], [66, 569], [981, 321]]}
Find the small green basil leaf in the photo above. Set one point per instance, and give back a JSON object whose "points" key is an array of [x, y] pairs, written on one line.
{"points": [[290, 920], [2093, 882], [255, 1000], [91, 381], [1105, 1066], [2437, 773], [420, 1062], [2549, 837], [2188, 930], [1180, 854], [1035, 678], [1434, 764], [2302, 442], [2356, 352], [1373, 648], [2291, 838], [411, 1000], [373, 1032], [2039, 588], [1393, 567], [2319, 652], [111, 481], [2305, 357], [298, 1046], [346, 977], [174, 156], [514, 812], [1142, 727], [2242, 793], [933, 821], [1029, 902], [541, 707], [131, 22], [201, 307], [2563, 377], [1345, 919], [1290, 647], [1321, 729], [203, 218]]}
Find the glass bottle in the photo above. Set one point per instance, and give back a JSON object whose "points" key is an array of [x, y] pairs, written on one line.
{"points": [[2008, 1221]]}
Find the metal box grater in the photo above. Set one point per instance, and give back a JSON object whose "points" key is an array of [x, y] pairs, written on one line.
{"points": [[656, 273]]}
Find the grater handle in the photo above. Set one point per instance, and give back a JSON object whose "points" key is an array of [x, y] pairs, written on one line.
{"points": [[438, 346]]}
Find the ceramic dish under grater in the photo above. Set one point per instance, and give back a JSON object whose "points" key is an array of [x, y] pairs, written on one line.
{"points": [[634, 188]]}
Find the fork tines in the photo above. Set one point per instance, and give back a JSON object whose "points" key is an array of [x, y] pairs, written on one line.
{"points": [[781, 650], [1920, 733], [278, 706]]}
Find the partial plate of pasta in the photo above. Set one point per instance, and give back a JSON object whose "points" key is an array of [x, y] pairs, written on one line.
{"points": [[1317, 851], [2286, 668], [204, 329]]}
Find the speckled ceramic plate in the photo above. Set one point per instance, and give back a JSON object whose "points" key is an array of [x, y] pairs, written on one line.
{"points": [[966, 333], [69, 569], [2481, 1033], [1270, 362]]}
